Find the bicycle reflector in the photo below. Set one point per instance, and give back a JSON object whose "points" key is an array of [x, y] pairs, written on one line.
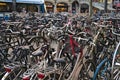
{"points": [[26, 78], [41, 75], [7, 69]]}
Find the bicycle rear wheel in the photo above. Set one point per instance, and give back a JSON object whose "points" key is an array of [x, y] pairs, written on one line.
{"points": [[37, 42]]}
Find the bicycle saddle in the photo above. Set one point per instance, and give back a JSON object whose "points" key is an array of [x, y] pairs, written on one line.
{"points": [[25, 47], [38, 53], [60, 60], [27, 27]]}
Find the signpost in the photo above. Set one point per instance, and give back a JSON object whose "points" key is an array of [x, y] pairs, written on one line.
{"points": [[14, 5], [105, 6], [42, 8], [90, 8]]}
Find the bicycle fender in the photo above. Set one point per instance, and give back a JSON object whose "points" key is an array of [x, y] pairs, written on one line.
{"points": [[5, 76]]}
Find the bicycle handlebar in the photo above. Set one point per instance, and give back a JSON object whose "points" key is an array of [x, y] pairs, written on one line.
{"points": [[84, 39], [99, 25], [11, 31], [115, 33]]}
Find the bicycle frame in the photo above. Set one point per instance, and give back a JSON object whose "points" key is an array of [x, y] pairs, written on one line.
{"points": [[80, 62], [114, 56], [73, 43]]}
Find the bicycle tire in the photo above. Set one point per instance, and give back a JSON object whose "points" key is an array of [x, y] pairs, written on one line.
{"points": [[37, 42], [98, 72]]}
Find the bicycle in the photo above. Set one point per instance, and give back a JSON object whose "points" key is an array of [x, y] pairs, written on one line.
{"points": [[115, 73], [103, 70], [64, 62], [19, 63]]}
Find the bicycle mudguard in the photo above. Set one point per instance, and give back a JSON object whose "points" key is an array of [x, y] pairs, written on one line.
{"points": [[5, 76]]}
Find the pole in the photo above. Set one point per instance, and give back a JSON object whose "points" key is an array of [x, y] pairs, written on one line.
{"points": [[105, 6], [90, 9], [14, 5], [55, 6]]}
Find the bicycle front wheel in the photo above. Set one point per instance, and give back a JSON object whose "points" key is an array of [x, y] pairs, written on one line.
{"points": [[37, 42], [103, 71]]}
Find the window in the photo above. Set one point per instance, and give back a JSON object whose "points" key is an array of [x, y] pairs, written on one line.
{"points": [[5, 7]]}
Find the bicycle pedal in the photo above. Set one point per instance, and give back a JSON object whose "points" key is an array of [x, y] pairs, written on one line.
{"points": [[59, 60]]}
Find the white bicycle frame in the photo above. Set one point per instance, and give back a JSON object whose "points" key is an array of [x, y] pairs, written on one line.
{"points": [[113, 61], [114, 56]]}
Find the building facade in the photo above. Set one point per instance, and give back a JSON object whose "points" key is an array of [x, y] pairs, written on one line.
{"points": [[79, 6], [72, 6], [7, 6], [51, 6], [67, 5]]}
